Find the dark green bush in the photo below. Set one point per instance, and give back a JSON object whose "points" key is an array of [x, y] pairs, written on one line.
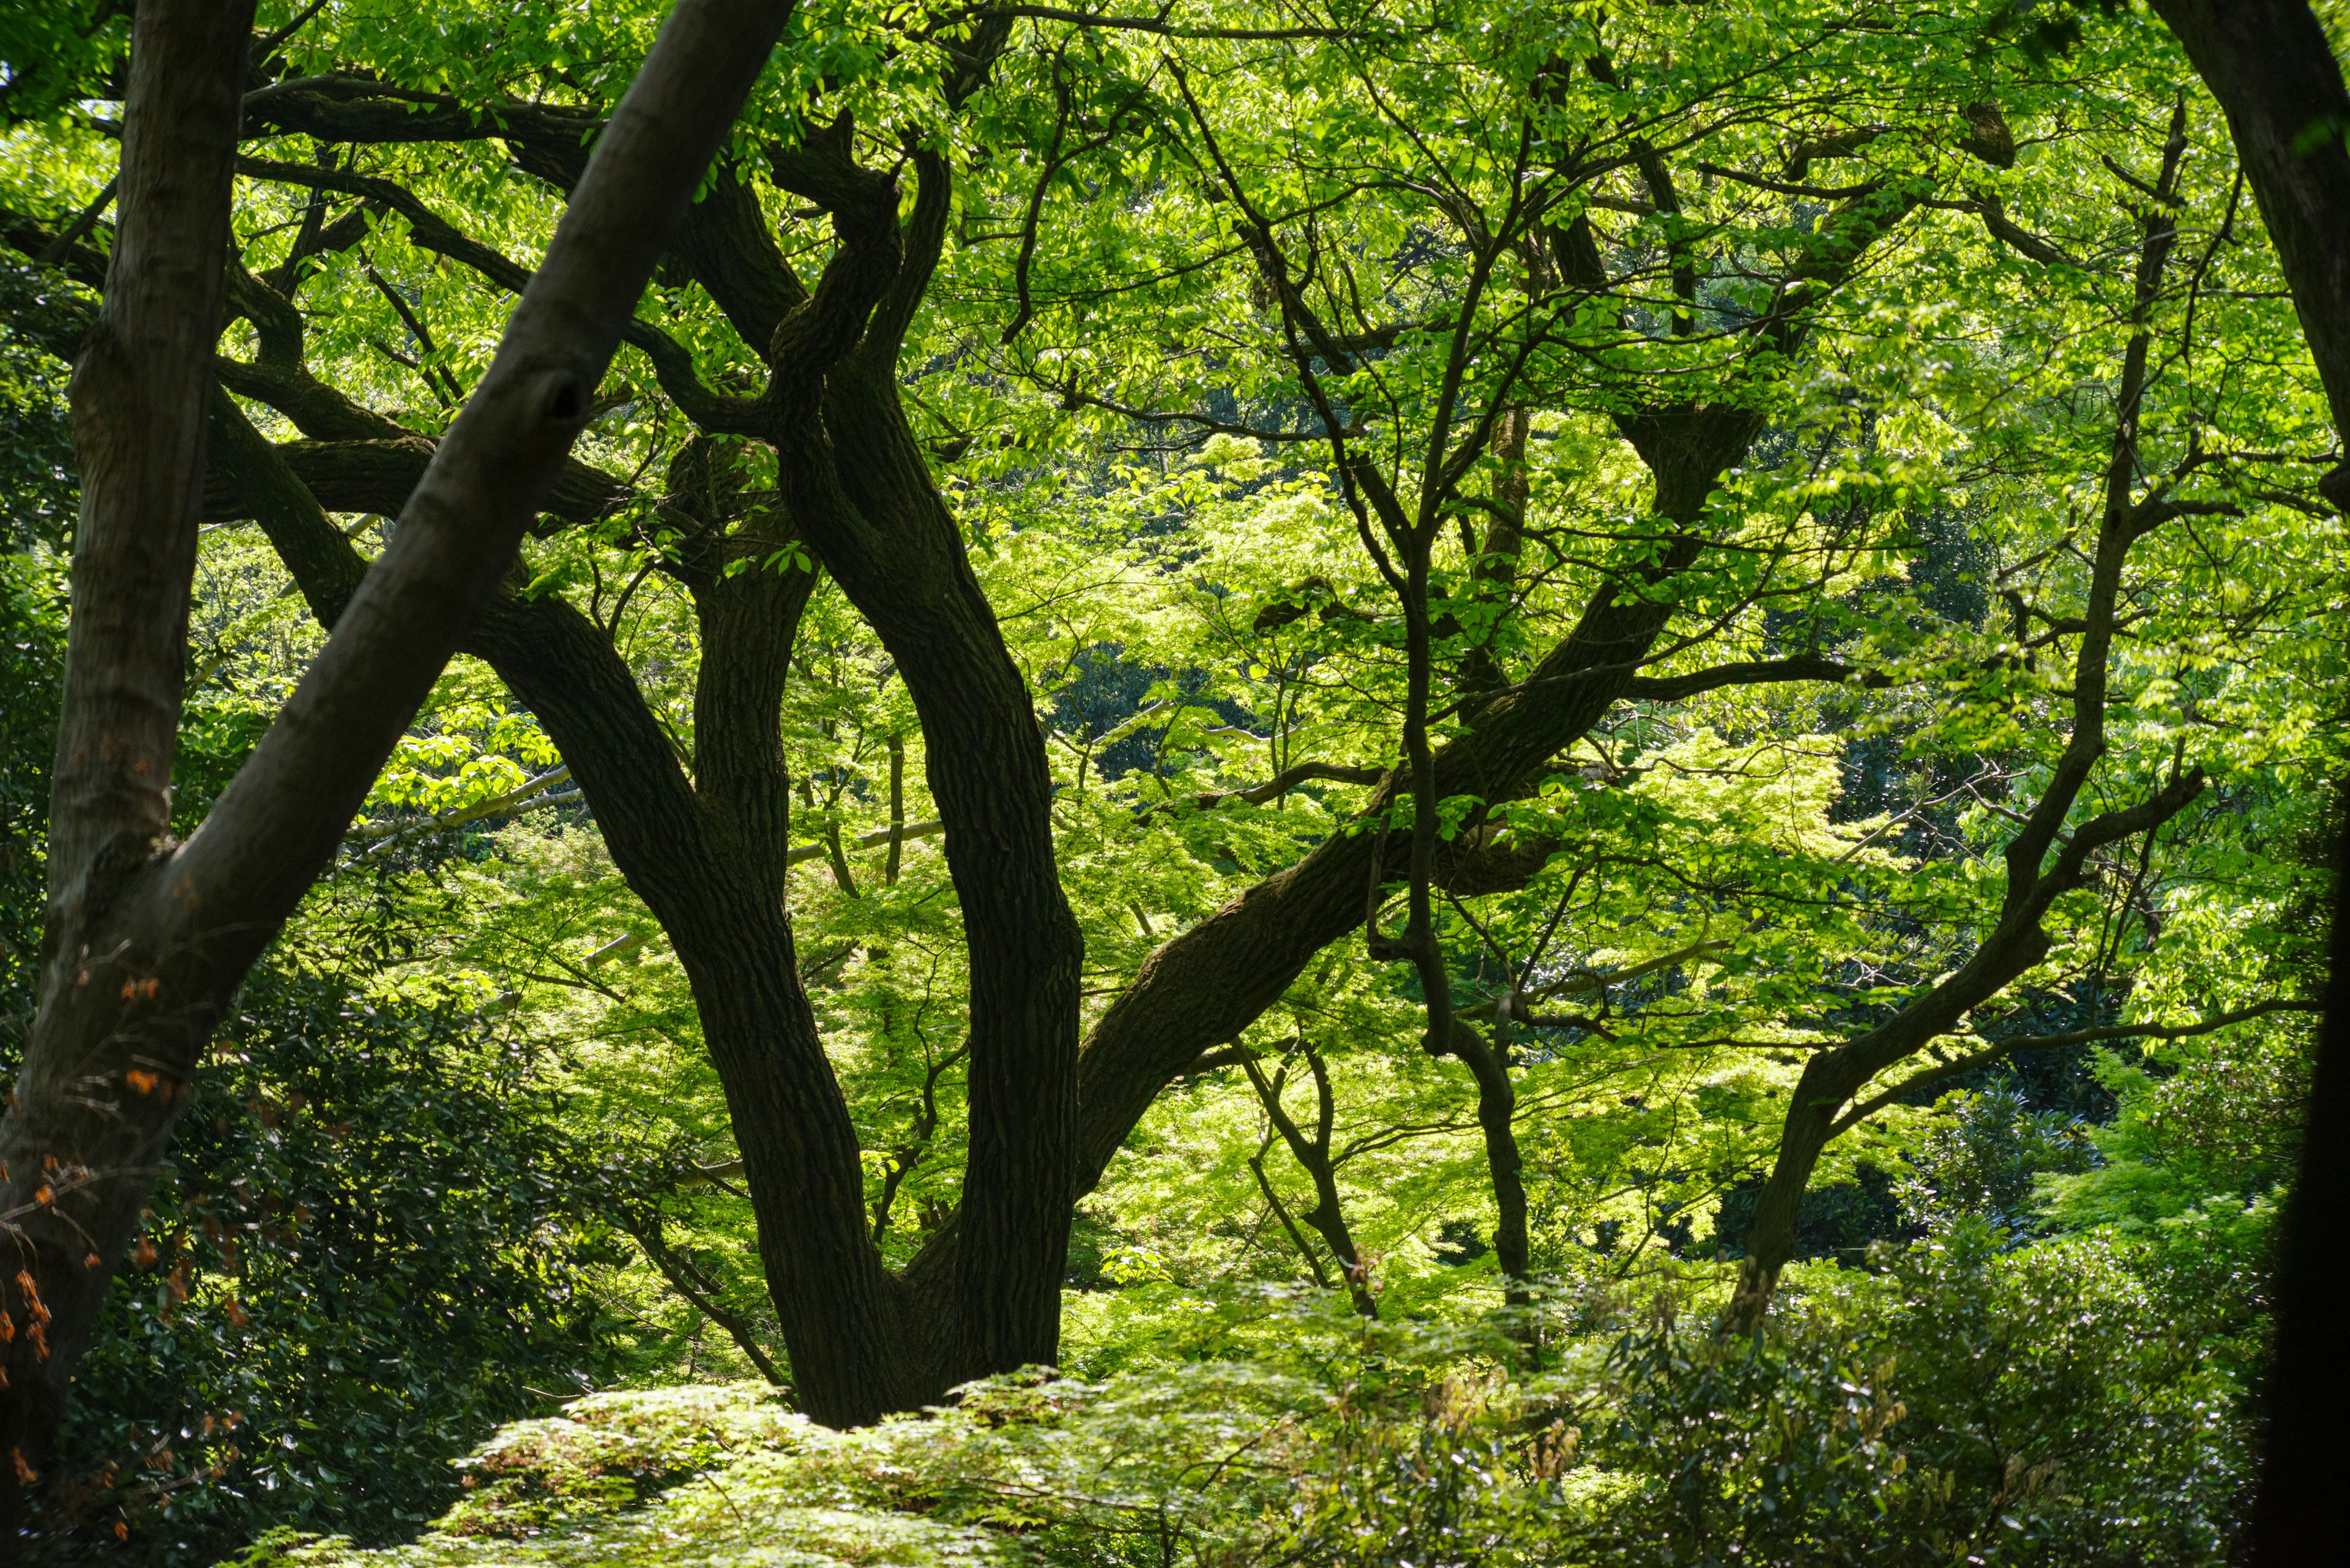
{"points": [[362, 1257]]}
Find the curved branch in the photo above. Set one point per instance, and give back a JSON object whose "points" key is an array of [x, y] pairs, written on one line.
{"points": [[925, 233], [2006, 1048], [550, 140], [379, 476]]}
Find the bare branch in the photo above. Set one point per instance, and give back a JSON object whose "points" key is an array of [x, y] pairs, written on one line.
{"points": [[1274, 788], [875, 840]]}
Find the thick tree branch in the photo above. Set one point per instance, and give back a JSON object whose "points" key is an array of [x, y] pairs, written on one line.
{"points": [[1754, 672]]}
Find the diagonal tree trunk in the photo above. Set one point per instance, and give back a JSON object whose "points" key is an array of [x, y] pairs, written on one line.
{"points": [[705, 851], [1207, 985], [707, 854], [145, 939]]}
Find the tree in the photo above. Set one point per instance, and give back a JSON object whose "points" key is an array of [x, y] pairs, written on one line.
{"points": [[146, 939], [1401, 377]]}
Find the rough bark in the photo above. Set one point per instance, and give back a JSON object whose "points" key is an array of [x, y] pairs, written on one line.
{"points": [[378, 476], [707, 855], [704, 854], [2296, 1516], [862, 491], [707, 858], [146, 940]]}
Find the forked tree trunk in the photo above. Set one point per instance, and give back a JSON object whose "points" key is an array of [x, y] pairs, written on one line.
{"points": [[707, 858], [859, 488], [986, 764], [707, 854]]}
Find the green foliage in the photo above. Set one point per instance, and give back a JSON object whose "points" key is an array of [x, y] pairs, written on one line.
{"points": [[32, 652], [50, 52], [1968, 1407], [37, 506], [1984, 1160], [2088, 1403], [2051, 1363]]}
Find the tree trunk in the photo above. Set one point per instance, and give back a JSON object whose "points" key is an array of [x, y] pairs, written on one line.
{"points": [[2016, 942], [138, 392], [708, 863], [707, 856], [1770, 1235], [2296, 1514], [902, 563], [1328, 1215], [2272, 68], [1497, 1114], [860, 489]]}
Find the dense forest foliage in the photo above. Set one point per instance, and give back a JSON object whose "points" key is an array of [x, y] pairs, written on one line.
{"points": [[1618, 727]]}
